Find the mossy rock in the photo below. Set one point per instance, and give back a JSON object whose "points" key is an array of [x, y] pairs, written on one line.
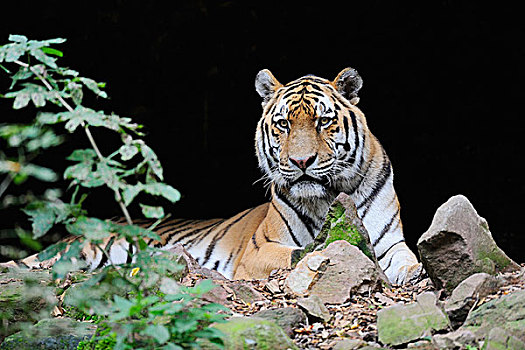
{"points": [[341, 224], [507, 313], [254, 333], [50, 334], [24, 294]]}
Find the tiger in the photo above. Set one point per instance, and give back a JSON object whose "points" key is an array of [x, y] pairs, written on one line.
{"points": [[312, 142]]}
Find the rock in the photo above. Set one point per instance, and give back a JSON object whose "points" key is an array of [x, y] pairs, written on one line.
{"points": [[400, 324], [302, 276], [315, 308], [218, 295], [55, 333], [254, 333], [499, 339], [24, 296], [349, 344], [287, 318], [507, 313], [459, 244], [464, 296], [458, 339], [273, 286], [343, 223], [243, 291], [333, 273]]}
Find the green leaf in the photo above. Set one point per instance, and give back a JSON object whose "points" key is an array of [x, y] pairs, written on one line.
{"points": [[109, 175], [21, 100], [152, 212], [93, 86], [122, 307], [42, 57], [52, 51], [130, 192], [171, 346], [82, 155], [43, 219], [27, 239], [91, 228], [202, 287], [157, 332], [41, 173], [48, 118], [128, 151], [162, 189], [79, 172], [18, 38], [152, 160], [13, 52], [52, 250], [39, 100], [22, 74]]}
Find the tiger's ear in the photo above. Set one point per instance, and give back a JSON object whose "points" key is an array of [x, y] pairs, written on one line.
{"points": [[266, 85], [348, 83]]}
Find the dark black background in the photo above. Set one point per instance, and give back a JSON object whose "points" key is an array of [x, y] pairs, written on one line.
{"points": [[443, 92]]}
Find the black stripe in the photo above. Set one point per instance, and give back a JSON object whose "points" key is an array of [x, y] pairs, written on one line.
{"points": [[386, 228], [103, 260], [268, 239], [221, 234], [175, 223], [265, 145], [129, 259], [356, 135], [386, 170], [386, 251], [229, 259], [287, 226], [108, 247], [306, 220], [254, 241], [200, 234], [266, 133], [191, 232], [216, 265]]}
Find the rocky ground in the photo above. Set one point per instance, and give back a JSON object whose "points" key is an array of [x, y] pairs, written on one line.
{"points": [[471, 297]]}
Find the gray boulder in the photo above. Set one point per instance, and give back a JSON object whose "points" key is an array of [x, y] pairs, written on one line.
{"points": [[51, 334], [464, 296], [254, 333], [315, 308], [287, 318], [334, 273], [25, 296], [497, 324], [401, 324], [459, 244], [507, 313]]}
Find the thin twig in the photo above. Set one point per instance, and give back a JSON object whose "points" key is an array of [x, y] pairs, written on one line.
{"points": [[118, 196], [5, 184]]}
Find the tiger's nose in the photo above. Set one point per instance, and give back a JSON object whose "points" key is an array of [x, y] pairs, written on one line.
{"points": [[304, 162]]}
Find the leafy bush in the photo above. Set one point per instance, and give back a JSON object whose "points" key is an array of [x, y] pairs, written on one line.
{"points": [[136, 312]]}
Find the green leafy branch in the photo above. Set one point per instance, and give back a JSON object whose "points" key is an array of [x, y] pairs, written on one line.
{"points": [[46, 81], [139, 313]]}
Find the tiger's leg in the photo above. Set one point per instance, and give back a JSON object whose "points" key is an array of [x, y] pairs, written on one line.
{"points": [[400, 264], [262, 256]]}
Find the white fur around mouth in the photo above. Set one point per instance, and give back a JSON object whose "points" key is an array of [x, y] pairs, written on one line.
{"points": [[307, 189]]}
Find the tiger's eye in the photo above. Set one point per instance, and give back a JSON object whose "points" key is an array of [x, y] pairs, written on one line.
{"points": [[324, 121], [283, 123]]}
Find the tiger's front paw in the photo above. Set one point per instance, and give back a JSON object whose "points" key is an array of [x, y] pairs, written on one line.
{"points": [[410, 274]]}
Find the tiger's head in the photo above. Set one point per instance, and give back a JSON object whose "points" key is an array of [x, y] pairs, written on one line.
{"points": [[307, 136]]}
